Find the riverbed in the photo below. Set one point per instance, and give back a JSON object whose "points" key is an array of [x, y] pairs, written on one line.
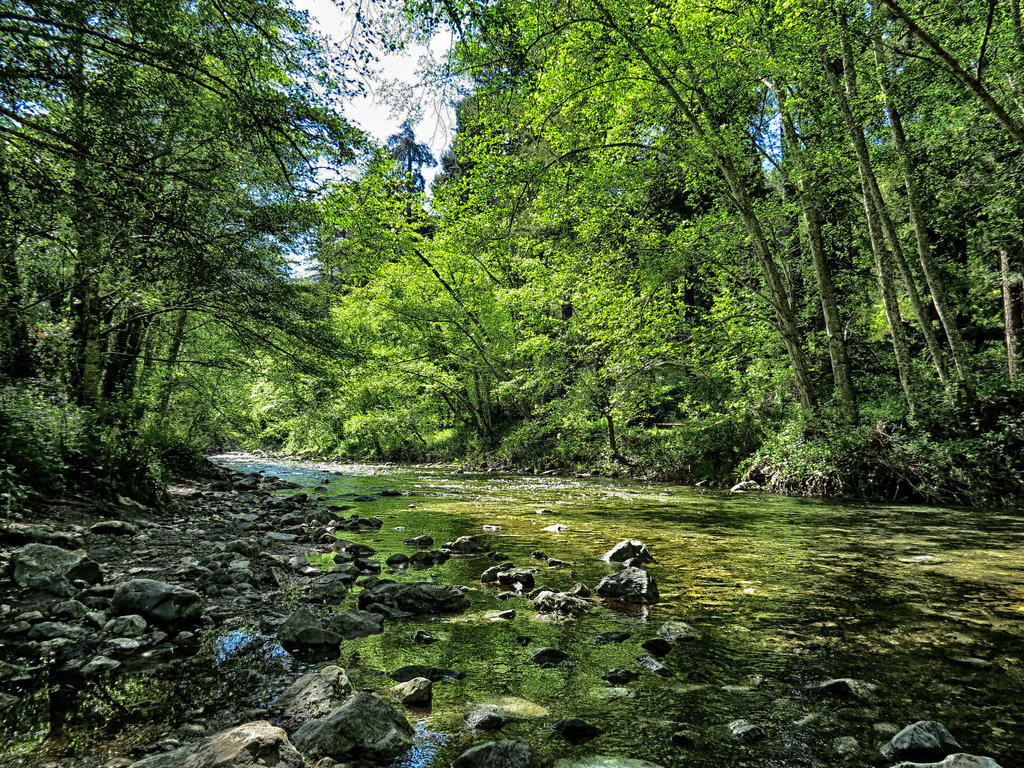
{"points": [[925, 603]]}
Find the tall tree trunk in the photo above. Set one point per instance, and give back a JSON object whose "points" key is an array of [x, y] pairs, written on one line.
{"points": [[778, 295], [823, 275], [924, 247], [167, 385], [890, 301], [16, 359], [87, 362], [1013, 323], [874, 193]]}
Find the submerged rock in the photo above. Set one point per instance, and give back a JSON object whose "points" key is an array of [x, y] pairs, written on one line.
{"points": [[619, 676], [631, 585], [548, 656], [411, 671], [923, 741], [353, 624], [849, 688], [414, 597], [575, 730], [252, 745], [497, 754], [651, 664], [678, 632], [744, 730], [605, 761], [364, 727]]}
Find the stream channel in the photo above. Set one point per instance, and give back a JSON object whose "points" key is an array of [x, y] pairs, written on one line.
{"points": [[926, 603]]}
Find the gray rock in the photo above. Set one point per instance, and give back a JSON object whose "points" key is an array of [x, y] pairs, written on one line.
{"points": [[958, 760], [744, 730], [620, 676], [49, 630], [517, 578], [745, 487], [397, 559], [252, 745], [302, 631], [429, 559], [49, 568], [313, 696], [847, 687], [628, 550], [468, 545], [630, 585], [99, 664], [353, 624], [70, 609], [364, 727], [419, 690], [114, 528], [604, 638], [490, 575], [561, 603], [422, 637], [414, 597], [486, 717], [923, 741], [156, 601], [131, 625], [497, 754], [678, 632], [420, 541]]}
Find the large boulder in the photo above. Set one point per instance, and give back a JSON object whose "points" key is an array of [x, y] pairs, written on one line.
{"points": [[313, 696], [628, 550], [604, 761], [156, 601], [364, 727], [923, 741], [497, 754], [414, 597], [252, 745], [630, 585], [42, 566]]}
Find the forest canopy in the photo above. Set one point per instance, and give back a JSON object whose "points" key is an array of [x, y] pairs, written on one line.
{"points": [[771, 241]]}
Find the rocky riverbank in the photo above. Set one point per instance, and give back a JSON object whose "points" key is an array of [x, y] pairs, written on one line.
{"points": [[97, 590]]}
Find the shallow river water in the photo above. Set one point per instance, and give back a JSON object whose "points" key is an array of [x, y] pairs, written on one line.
{"points": [[926, 603]]}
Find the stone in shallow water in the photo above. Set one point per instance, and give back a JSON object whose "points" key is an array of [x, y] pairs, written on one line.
{"points": [[364, 726], [630, 585], [923, 741], [611, 637], [744, 730], [419, 690], [678, 631], [99, 664], [575, 730], [313, 696], [848, 687], [497, 754], [606, 761], [631, 549]]}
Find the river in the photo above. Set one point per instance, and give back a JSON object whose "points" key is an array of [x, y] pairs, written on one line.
{"points": [[925, 603]]}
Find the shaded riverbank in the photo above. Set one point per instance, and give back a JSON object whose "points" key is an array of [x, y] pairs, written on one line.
{"points": [[926, 604]]}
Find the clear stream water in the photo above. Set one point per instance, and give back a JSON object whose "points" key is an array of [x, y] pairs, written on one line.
{"points": [[927, 603]]}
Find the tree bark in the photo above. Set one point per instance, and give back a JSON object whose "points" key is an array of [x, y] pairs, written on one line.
{"points": [[1013, 323], [870, 184], [823, 275], [16, 359], [924, 248]]}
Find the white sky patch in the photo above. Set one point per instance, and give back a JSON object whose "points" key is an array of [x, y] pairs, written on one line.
{"points": [[399, 89]]}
